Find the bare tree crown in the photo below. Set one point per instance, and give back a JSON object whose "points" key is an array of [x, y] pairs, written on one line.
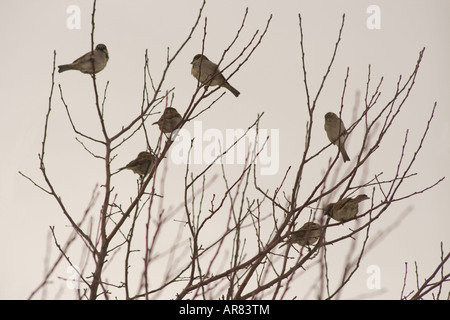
{"points": [[251, 241]]}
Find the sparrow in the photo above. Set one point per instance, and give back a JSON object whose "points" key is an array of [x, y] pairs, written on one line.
{"points": [[142, 164], [336, 132], [209, 74], [84, 63], [345, 209], [308, 234], [169, 120]]}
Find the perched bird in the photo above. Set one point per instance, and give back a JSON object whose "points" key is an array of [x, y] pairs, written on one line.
{"points": [[84, 63], [142, 164], [169, 120], [308, 234], [336, 132], [345, 209], [208, 73]]}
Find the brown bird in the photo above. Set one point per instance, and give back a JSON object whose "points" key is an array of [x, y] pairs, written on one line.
{"points": [[209, 74], [308, 234], [169, 120], [336, 132], [142, 164], [84, 63], [345, 209]]}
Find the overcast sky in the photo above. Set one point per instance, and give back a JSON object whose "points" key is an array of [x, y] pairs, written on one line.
{"points": [[271, 82]]}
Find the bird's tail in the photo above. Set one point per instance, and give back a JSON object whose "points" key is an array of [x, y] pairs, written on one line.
{"points": [[118, 170], [344, 154], [233, 90], [285, 243], [64, 67]]}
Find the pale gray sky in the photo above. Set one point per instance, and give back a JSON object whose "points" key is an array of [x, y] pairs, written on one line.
{"points": [[271, 82]]}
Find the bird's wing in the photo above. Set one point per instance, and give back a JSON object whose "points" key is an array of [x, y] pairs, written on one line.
{"points": [[341, 203], [84, 57]]}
